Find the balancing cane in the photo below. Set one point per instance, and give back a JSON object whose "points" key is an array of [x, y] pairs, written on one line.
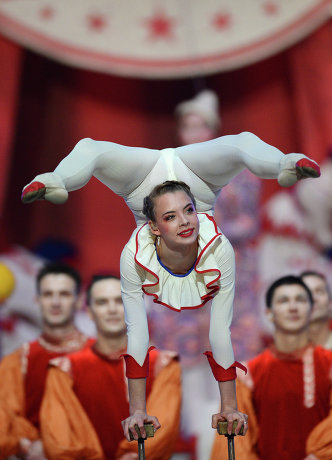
{"points": [[223, 430], [149, 430]]}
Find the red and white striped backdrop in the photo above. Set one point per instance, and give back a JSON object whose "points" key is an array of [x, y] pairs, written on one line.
{"points": [[158, 38]]}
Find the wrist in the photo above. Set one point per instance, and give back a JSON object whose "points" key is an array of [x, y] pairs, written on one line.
{"points": [[228, 407], [137, 410]]}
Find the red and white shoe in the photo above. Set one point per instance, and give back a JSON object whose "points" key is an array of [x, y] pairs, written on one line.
{"points": [[307, 168], [293, 170], [32, 192], [48, 186]]}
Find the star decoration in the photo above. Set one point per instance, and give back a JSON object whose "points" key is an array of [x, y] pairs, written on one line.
{"points": [[270, 8], [47, 12], [96, 22], [221, 21], [160, 26]]}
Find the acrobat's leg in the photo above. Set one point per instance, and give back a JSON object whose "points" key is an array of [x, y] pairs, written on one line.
{"points": [[219, 160], [119, 167]]}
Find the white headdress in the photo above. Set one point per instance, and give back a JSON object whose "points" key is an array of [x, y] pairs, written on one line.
{"points": [[205, 104]]}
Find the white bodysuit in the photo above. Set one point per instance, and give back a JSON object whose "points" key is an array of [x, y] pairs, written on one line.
{"points": [[206, 167]]}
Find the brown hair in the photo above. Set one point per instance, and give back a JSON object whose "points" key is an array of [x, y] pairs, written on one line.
{"points": [[170, 186], [95, 279], [58, 268]]}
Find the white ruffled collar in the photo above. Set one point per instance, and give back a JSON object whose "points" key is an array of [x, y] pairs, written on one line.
{"points": [[177, 292]]}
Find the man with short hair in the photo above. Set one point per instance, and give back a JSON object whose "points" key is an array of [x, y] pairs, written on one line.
{"points": [[86, 396], [23, 372], [287, 390], [319, 330]]}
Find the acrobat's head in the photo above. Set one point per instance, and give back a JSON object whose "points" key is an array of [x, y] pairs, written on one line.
{"points": [[171, 212]]}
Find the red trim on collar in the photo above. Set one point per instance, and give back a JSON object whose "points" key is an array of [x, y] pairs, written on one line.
{"points": [[205, 298]]}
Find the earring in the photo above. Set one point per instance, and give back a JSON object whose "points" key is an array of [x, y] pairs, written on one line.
{"points": [[158, 240]]}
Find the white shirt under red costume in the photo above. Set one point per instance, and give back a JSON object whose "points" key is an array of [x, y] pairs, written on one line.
{"points": [[211, 278], [22, 383], [288, 399]]}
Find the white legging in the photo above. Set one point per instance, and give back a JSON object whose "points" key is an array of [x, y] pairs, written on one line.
{"points": [[132, 172]]}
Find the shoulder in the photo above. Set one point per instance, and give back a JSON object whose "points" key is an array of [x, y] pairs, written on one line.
{"points": [[160, 359], [224, 255], [225, 246], [63, 363], [255, 367], [72, 361], [211, 237], [164, 370], [130, 248], [12, 359], [323, 352], [260, 360], [323, 357], [17, 361]]}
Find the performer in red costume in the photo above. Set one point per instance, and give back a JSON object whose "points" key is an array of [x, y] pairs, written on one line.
{"points": [[320, 321], [86, 395], [132, 173], [290, 384], [23, 373]]}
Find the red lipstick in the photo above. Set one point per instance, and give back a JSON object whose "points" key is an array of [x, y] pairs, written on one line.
{"points": [[186, 233]]}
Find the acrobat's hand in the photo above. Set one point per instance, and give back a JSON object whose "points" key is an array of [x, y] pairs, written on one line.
{"points": [[230, 416], [138, 418], [294, 168], [48, 186]]}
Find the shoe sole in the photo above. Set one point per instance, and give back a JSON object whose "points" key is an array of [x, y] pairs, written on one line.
{"points": [[33, 195]]}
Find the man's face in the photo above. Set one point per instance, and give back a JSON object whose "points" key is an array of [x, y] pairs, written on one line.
{"points": [[290, 309], [57, 299], [107, 308], [193, 128], [320, 293]]}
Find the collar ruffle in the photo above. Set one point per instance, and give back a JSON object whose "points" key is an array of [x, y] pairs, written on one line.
{"points": [[185, 291]]}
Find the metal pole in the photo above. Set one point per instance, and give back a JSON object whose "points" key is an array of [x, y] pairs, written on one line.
{"points": [[141, 449], [231, 450], [149, 431], [222, 429]]}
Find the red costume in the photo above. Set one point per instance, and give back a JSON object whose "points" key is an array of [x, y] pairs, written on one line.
{"points": [[287, 397], [22, 377], [86, 399]]}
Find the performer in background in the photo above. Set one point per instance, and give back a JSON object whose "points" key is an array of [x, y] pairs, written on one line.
{"points": [[290, 382], [86, 395], [132, 173], [23, 372], [320, 320]]}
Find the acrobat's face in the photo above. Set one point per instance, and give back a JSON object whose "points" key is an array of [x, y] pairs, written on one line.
{"points": [[322, 302], [193, 128], [176, 219], [107, 309], [58, 299], [290, 309]]}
